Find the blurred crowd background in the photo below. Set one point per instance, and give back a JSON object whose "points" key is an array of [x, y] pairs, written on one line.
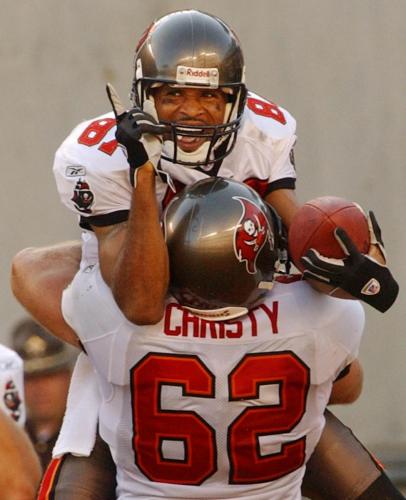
{"points": [[337, 66]]}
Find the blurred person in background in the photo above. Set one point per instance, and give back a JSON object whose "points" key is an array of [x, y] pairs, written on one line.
{"points": [[48, 366]]}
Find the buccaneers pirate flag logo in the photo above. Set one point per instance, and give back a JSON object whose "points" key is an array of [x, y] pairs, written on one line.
{"points": [[82, 197], [12, 400], [252, 233]]}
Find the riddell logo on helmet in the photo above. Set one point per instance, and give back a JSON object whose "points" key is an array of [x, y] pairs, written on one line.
{"points": [[186, 75], [205, 73]]}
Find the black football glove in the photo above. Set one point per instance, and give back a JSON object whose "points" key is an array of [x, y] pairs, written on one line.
{"points": [[138, 133], [358, 274]]}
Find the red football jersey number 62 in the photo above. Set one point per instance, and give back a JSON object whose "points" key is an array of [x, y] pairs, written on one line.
{"points": [[152, 425]]}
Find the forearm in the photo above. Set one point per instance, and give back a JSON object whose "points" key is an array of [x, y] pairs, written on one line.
{"points": [[286, 204], [140, 274], [134, 261]]}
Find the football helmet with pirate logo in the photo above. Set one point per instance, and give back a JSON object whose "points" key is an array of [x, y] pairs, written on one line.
{"points": [[224, 247], [190, 48]]}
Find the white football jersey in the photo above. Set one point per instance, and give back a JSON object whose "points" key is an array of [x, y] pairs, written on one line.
{"points": [[210, 410], [12, 385], [92, 173]]}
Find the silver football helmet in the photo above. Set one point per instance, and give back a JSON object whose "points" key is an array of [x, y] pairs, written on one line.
{"points": [[189, 48], [223, 245]]}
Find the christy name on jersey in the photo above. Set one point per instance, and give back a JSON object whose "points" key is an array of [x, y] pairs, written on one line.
{"points": [[198, 409]]}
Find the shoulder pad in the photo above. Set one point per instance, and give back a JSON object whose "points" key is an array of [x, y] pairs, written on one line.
{"points": [[268, 117], [91, 170], [92, 142]]}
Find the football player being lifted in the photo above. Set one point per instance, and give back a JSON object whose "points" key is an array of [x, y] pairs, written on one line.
{"points": [[190, 101]]}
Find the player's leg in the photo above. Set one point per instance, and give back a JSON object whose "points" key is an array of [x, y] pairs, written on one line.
{"points": [[81, 478], [341, 468]]}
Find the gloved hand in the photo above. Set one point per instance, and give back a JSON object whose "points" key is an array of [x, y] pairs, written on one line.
{"points": [[138, 133], [358, 274]]}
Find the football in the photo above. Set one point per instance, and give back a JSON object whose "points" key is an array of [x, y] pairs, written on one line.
{"points": [[314, 223]]}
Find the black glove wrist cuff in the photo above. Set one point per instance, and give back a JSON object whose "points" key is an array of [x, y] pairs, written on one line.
{"points": [[137, 156]]}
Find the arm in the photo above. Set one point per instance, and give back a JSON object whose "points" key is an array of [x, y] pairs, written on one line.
{"points": [[133, 256], [347, 389], [38, 278], [285, 202], [39, 275], [19, 464]]}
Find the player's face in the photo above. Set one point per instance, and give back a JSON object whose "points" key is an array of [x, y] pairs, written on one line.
{"points": [[190, 106]]}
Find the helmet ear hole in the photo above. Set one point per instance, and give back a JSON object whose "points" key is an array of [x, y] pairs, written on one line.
{"points": [[221, 246]]}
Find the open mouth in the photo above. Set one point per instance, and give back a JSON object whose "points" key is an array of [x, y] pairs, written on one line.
{"points": [[188, 143]]}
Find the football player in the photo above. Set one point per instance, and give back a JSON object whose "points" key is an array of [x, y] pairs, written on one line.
{"points": [[241, 279], [180, 98], [223, 397]]}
